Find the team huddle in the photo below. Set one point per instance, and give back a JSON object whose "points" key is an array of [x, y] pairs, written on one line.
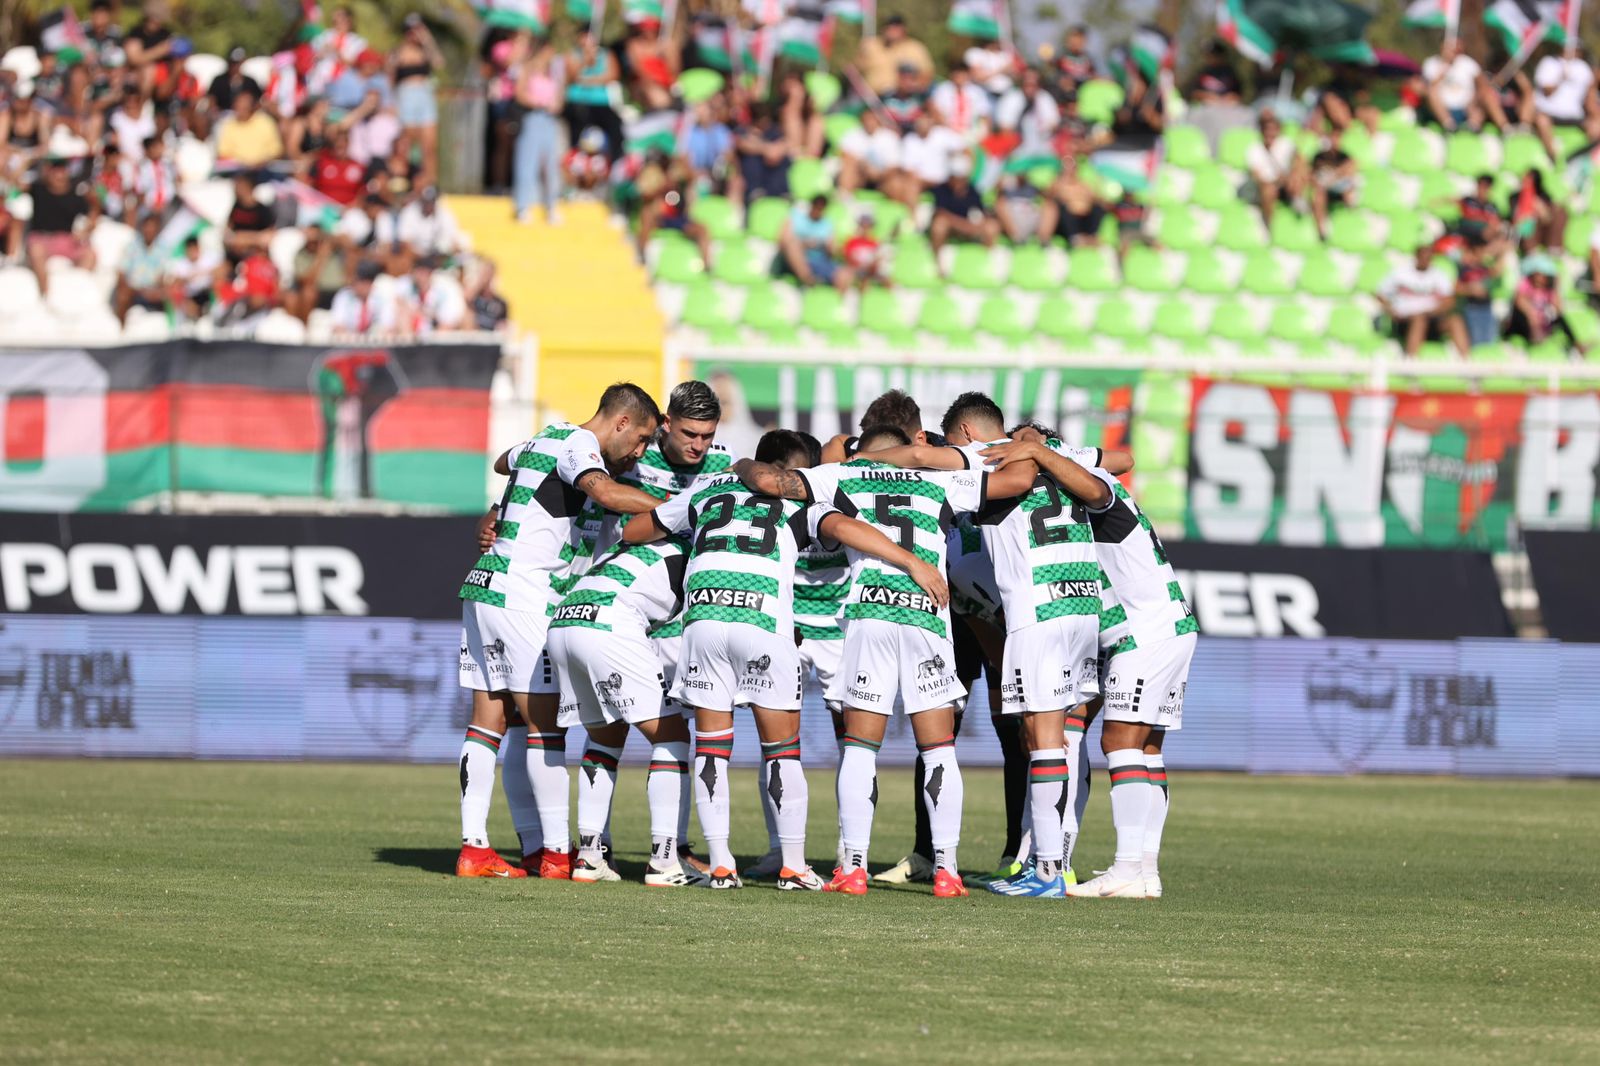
{"points": [[635, 574]]}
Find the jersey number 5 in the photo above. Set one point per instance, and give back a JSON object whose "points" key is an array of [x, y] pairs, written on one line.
{"points": [[764, 514], [883, 516]]}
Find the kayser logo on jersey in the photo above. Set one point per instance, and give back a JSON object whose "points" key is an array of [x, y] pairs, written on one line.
{"points": [[1068, 590], [714, 597], [911, 601], [576, 612]]}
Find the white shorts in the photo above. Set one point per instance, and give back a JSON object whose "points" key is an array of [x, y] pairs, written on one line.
{"points": [[822, 658], [1051, 666], [1146, 685], [884, 659], [607, 677], [503, 651], [726, 664]]}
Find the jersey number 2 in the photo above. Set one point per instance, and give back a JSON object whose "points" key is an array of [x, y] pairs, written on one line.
{"points": [[721, 510], [1043, 533]]}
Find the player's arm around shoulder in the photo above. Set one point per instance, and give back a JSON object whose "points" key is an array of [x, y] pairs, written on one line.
{"points": [[1032, 456], [853, 533], [613, 495], [920, 457], [769, 480]]}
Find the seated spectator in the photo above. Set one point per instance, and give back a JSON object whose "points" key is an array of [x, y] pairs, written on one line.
{"points": [[1074, 64], [489, 309], [231, 82], [591, 73], [142, 272], [1024, 212], [193, 278], [1131, 216], [1419, 299], [334, 50], [585, 167], [350, 89], [24, 133], [155, 180], [1563, 95], [1076, 135], [992, 67], [1079, 213], [321, 269], [368, 229], [807, 248], [1345, 99], [250, 222], [925, 157], [412, 68], [764, 155], [863, 255], [802, 125], [132, 123], [103, 41], [432, 303], [906, 102], [428, 225], [663, 188], [1475, 280], [1333, 182], [881, 58], [63, 215], [1274, 170], [249, 137], [115, 182], [148, 49], [1029, 115], [335, 174], [359, 308], [246, 297], [1217, 83], [1481, 220], [1538, 220], [709, 151], [310, 130], [1458, 94], [1536, 310], [961, 105], [869, 158], [959, 211], [652, 65]]}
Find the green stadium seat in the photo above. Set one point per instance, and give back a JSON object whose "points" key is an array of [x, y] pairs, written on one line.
{"points": [[1213, 188], [1348, 324], [1233, 321], [973, 267], [1233, 147], [1116, 318], [738, 262], [824, 90], [837, 127], [1179, 229], [1186, 147], [1092, 270], [699, 84], [1292, 232], [1439, 195], [1382, 191], [882, 312], [1172, 186], [725, 335], [962, 340], [888, 217], [1584, 322], [718, 214], [808, 178], [1416, 151], [1357, 143], [1579, 230], [679, 262], [1204, 273], [1551, 350], [1397, 119], [1099, 99], [1058, 320], [998, 316], [1374, 268], [1034, 269], [1255, 346], [1148, 270], [1523, 152], [765, 309], [705, 307], [767, 216], [942, 318], [1406, 232], [914, 267], [781, 335], [1290, 322], [1175, 320], [1569, 139], [1355, 231], [1264, 275], [822, 310], [1466, 154], [1240, 228], [1321, 276]]}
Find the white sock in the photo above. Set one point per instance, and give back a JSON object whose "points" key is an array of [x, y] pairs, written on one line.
{"points": [[941, 788], [712, 751], [783, 782], [519, 790], [1157, 821], [1130, 808], [858, 799], [1047, 805], [478, 753], [547, 769], [597, 784], [667, 789]]}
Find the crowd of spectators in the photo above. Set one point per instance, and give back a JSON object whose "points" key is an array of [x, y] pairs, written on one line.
{"points": [[294, 189]]}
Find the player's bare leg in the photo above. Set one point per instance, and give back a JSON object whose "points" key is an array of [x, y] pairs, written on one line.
{"points": [[479, 751], [547, 771], [1131, 797], [783, 779], [713, 751]]}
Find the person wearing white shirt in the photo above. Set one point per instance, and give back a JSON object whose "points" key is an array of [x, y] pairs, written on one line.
{"points": [[1275, 168], [926, 152], [1564, 95], [359, 308], [870, 158], [431, 300], [1458, 93], [1419, 299], [428, 226], [962, 105], [371, 225], [1032, 114], [991, 67]]}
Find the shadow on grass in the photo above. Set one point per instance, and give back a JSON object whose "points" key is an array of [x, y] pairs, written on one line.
{"points": [[432, 860]]}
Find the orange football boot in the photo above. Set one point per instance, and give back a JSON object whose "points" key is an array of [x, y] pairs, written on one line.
{"points": [[853, 883], [485, 862], [947, 885], [555, 865]]}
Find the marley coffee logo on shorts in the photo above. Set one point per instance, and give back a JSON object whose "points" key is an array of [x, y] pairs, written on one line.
{"points": [[610, 690], [715, 597], [758, 666], [85, 690]]}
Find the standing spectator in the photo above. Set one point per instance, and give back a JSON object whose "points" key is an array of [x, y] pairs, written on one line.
{"points": [[250, 222], [415, 62], [428, 225], [907, 100], [807, 247], [149, 50], [869, 158], [1458, 94], [1140, 120], [708, 145], [309, 131], [958, 210], [593, 71], [1131, 216], [1274, 168], [349, 92], [359, 308], [1030, 115], [1217, 83], [1475, 280], [1536, 310], [335, 174], [961, 105], [1075, 65], [59, 208], [802, 126], [881, 58], [1333, 182], [503, 62], [863, 255], [104, 40], [225, 87], [536, 166], [489, 309], [764, 156], [1536, 217], [142, 271], [1419, 299], [652, 65], [248, 137], [1564, 95]]}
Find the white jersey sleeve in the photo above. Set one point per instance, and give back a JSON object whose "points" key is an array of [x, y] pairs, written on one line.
{"points": [[579, 454], [964, 489], [673, 515]]}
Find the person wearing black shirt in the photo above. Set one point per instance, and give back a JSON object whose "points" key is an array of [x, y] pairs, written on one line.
{"points": [[232, 82], [1216, 84], [958, 210], [58, 204], [250, 223]]}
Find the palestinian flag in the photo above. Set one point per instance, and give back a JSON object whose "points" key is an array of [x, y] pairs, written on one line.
{"points": [[1523, 25], [1152, 52], [1432, 14], [61, 30], [714, 43], [855, 12], [979, 19], [1245, 35], [636, 11], [531, 15], [655, 131], [408, 425], [800, 36]]}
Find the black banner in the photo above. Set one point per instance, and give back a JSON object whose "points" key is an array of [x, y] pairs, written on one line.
{"points": [[1260, 591], [233, 565], [1566, 574]]}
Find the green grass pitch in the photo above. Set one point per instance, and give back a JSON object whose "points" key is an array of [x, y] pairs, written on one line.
{"points": [[200, 913]]}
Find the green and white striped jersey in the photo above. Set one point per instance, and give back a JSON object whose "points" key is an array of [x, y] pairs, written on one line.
{"points": [[1043, 552], [628, 589], [971, 573], [744, 550], [540, 547], [821, 584], [914, 508], [1146, 603]]}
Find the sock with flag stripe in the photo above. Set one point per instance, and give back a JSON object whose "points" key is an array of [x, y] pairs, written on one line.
{"points": [[1047, 802], [1157, 821], [943, 792], [783, 781], [597, 784], [519, 790], [858, 798], [547, 770], [667, 789], [1130, 808], [1078, 785], [479, 751], [711, 754]]}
